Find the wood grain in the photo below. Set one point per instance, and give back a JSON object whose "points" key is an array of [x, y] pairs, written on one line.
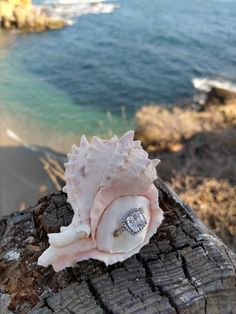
{"points": [[184, 269]]}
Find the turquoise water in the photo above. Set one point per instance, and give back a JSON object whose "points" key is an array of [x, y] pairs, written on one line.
{"points": [[76, 80]]}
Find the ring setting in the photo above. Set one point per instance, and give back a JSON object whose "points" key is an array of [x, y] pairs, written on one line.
{"points": [[133, 222]]}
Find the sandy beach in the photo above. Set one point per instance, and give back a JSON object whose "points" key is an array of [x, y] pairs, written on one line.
{"points": [[23, 178]]}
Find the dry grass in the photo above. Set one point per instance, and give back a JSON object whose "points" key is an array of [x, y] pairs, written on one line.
{"points": [[198, 154], [161, 128], [214, 201]]}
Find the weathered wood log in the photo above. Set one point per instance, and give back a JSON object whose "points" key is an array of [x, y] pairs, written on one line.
{"points": [[184, 269]]}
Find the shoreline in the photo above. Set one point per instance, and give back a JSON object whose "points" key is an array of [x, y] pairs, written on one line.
{"points": [[23, 176], [31, 132], [32, 137]]}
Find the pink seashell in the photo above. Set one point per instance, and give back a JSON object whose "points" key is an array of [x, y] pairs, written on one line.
{"points": [[104, 180]]}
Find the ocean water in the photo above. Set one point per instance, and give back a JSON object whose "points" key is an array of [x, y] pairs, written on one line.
{"points": [[114, 57]]}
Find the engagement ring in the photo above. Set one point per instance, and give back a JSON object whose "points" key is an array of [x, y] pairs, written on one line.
{"points": [[133, 222]]}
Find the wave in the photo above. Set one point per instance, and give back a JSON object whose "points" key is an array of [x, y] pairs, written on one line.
{"points": [[206, 84], [71, 2], [70, 9], [13, 135], [42, 150]]}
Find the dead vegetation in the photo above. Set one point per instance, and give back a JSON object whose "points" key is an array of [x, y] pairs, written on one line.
{"points": [[214, 201], [160, 128], [198, 154], [55, 171]]}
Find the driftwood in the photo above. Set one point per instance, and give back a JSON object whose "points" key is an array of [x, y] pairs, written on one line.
{"points": [[184, 269], [54, 170]]}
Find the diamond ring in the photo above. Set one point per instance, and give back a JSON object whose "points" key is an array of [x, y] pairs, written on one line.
{"points": [[133, 222]]}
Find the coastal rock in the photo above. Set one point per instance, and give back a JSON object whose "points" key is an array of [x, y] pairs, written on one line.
{"points": [[223, 101], [55, 24], [22, 15], [24, 3], [5, 23], [218, 97], [6, 10], [6, 14], [30, 20], [40, 23]]}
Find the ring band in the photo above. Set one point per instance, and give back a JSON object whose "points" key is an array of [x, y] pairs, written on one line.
{"points": [[133, 222]]}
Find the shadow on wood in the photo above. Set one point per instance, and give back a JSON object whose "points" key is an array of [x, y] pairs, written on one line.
{"points": [[184, 269]]}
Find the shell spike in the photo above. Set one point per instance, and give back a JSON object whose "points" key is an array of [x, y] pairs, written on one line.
{"points": [[137, 143], [128, 136], [84, 141], [96, 141], [155, 162], [64, 189], [114, 138], [74, 149]]}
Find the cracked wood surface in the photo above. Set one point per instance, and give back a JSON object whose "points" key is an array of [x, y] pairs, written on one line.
{"points": [[184, 269]]}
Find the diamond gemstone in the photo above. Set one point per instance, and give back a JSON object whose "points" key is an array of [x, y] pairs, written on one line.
{"points": [[134, 221]]}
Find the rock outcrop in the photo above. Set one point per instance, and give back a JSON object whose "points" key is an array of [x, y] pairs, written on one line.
{"points": [[219, 97], [21, 14], [162, 128]]}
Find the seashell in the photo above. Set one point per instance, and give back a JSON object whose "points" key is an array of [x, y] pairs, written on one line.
{"points": [[105, 180]]}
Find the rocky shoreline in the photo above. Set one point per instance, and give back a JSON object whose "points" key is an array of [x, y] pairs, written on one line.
{"points": [[21, 14]]}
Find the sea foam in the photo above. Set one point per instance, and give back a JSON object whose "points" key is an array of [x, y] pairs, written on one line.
{"points": [[70, 9], [206, 84]]}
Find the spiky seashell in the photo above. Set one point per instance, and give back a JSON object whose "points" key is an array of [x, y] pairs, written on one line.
{"points": [[104, 180]]}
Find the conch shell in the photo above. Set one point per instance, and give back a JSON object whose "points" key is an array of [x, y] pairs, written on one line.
{"points": [[104, 180]]}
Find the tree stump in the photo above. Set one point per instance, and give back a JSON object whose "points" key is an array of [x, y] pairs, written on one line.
{"points": [[184, 269]]}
